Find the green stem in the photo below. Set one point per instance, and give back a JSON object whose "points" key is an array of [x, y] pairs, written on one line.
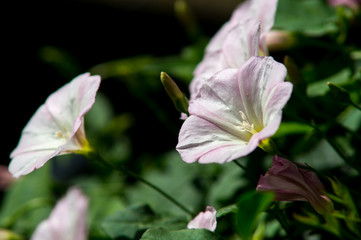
{"points": [[356, 106], [97, 157], [282, 219], [251, 177]]}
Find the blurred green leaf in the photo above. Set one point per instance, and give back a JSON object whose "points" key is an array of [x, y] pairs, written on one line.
{"points": [[105, 196], [186, 234], [351, 119], [322, 156], [228, 182], [289, 128], [28, 201], [349, 212], [62, 60], [250, 205], [176, 178], [226, 210], [132, 221], [319, 88], [310, 17], [99, 115]]}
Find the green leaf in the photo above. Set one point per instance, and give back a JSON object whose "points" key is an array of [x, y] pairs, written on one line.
{"points": [[319, 88], [289, 128], [226, 210], [132, 221], [250, 206], [104, 194], [320, 157], [176, 178], [310, 17], [185, 234], [27, 202]]}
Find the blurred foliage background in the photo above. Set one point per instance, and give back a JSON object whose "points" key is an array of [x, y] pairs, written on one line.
{"points": [[133, 122]]}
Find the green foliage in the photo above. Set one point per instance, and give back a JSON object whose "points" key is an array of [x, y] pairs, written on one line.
{"points": [[134, 220], [250, 206], [27, 202], [189, 234], [321, 127], [321, 19]]}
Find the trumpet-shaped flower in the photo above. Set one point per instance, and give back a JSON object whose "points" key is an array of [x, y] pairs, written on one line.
{"points": [[291, 183], [238, 40], [57, 127], [206, 219], [67, 221], [235, 111], [261, 10], [240, 43]]}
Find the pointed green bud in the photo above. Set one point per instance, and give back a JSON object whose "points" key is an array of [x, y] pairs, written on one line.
{"points": [[178, 98], [294, 73]]}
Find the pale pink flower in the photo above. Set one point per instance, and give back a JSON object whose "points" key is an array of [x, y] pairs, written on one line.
{"points": [[57, 127], [262, 11], [347, 3], [291, 183], [206, 219], [5, 177], [67, 221], [235, 110], [239, 39]]}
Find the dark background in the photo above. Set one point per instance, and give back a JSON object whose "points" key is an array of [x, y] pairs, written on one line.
{"points": [[92, 32]]}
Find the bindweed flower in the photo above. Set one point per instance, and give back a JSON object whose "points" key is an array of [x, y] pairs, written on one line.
{"points": [[347, 3], [206, 219], [238, 40], [291, 183], [67, 221], [262, 11], [235, 111], [57, 127], [5, 178]]}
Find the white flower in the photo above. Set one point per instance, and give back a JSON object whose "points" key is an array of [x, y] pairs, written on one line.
{"points": [[67, 221], [57, 127]]}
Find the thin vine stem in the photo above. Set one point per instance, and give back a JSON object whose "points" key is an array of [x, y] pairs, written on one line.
{"points": [[97, 157]]}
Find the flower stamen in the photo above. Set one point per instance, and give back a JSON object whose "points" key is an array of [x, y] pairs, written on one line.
{"points": [[245, 125]]}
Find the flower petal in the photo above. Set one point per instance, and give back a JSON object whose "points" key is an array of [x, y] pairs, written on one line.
{"points": [[206, 219], [200, 140], [67, 220], [223, 102], [261, 84], [240, 43], [56, 127], [260, 10]]}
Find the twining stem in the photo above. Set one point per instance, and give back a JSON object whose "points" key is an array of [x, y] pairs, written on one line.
{"points": [[96, 156], [252, 178]]}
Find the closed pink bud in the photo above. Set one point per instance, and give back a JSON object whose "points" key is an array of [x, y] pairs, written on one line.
{"points": [[291, 183]]}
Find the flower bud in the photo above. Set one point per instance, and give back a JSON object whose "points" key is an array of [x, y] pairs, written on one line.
{"points": [[291, 183], [178, 98], [277, 40]]}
